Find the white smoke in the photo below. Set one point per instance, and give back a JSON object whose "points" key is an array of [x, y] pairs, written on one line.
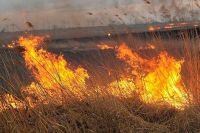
{"points": [[48, 14]]}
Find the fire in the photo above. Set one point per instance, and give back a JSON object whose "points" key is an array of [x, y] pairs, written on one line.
{"points": [[156, 81], [171, 24], [8, 101], [169, 27], [153, 28], [148, 47], [133, 59], [11, 45], [119, 88], [52, 72], [163, 83], [177, 25], [105, 46]]}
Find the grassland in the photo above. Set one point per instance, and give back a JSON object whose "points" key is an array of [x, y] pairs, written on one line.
{"points": [[97, 112]]}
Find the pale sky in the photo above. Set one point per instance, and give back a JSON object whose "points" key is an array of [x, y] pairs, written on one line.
{"points": [[46, 14]]}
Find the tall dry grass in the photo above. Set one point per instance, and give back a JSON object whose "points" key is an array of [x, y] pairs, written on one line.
{"points": [[97, 112]]}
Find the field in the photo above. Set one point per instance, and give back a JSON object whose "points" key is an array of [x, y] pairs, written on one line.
{"points": [[115, 84]]}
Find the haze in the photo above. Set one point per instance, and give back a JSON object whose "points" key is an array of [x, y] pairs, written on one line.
{"points": [[48, 14]]}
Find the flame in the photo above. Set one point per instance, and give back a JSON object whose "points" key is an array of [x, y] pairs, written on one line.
{"points": [[171, 24], [109, 34], [149, 46], [119, 88], [177, 25], [133, 59], [51, 72], [10, 102], [163, 83], [168, 27], [105, 46], [153, 28], [11, 45], [157, 81]]}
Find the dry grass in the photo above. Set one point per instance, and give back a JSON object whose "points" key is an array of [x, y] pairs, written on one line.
{"points": [[103, 113]]}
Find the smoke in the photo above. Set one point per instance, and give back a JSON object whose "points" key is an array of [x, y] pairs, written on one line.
{"points": [[48, 14]]}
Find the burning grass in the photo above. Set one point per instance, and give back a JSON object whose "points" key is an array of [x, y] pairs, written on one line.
{"points": [[150, 95], [54, 76], [157, 80]]}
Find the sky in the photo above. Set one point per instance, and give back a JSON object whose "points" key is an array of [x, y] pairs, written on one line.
{"points": [[48, 14]]}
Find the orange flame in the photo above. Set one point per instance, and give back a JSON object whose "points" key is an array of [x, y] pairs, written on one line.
{"points": [[105, 46], [51, 72], [149, 46], [124, 88], [11, 45], [133, 59], [163, 83], [153, 28], [176, 25], [157, 80], [10, 102]]}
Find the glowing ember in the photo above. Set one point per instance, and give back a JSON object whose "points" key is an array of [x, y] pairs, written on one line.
{"points": [[157, 81], [51, 72]]}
